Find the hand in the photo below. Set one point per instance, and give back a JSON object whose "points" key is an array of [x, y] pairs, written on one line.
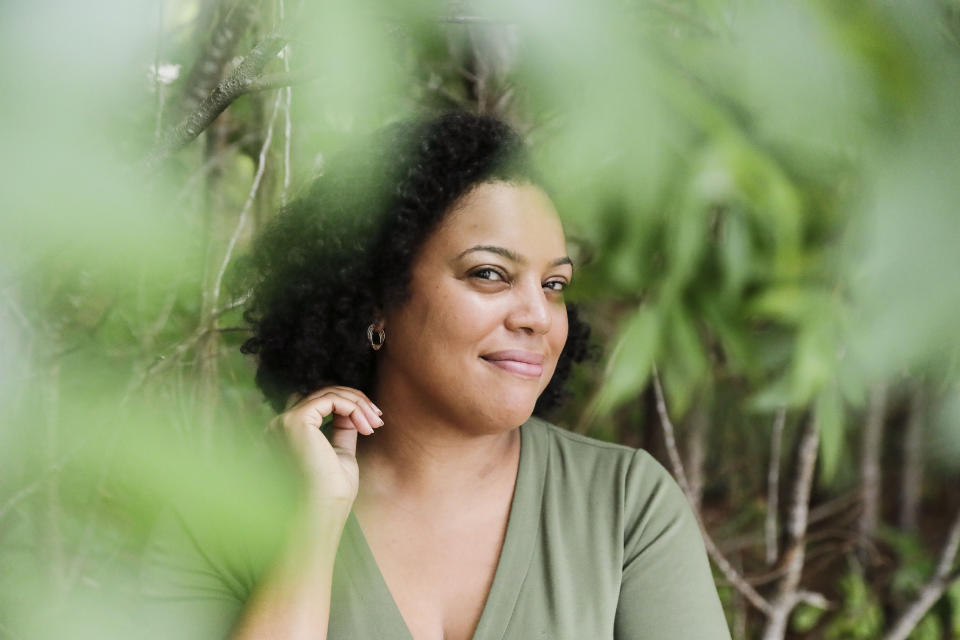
{"points": [[330, 467]]}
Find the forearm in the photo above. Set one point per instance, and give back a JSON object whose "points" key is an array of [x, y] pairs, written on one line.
{"points": [[293, 601]]}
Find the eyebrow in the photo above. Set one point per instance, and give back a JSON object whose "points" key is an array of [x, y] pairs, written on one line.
{"points": [[511, 255]]}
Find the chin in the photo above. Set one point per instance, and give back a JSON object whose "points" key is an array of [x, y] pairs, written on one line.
{"points": [[509, 413]]}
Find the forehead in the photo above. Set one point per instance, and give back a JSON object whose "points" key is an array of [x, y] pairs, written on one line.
{"points": [[520, 217]]}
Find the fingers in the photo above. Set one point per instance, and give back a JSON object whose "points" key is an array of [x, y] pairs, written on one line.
{"points": [[371, 410], [352, 410], [344, 441]]}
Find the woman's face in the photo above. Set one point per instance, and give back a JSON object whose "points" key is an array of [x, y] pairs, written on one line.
{"points": [[479, 337]]}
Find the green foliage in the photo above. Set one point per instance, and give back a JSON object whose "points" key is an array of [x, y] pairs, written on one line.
{"points": [[766, 192], [915, 564], [805, 617], [629, 364], [953, 596], [928, 629], [860, 615]]}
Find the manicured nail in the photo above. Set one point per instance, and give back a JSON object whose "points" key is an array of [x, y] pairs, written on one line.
{"points": [[380, 421]]}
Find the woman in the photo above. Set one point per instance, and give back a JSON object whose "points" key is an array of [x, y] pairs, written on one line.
{"points": [[432, 331]]}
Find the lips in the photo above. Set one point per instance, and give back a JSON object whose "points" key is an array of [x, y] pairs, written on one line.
{"points": [[527, 364]]}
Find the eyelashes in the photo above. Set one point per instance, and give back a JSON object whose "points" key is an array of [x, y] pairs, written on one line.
{"points": [[491, 274]]}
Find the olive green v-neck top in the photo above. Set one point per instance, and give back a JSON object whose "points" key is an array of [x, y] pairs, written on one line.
{"points": [[600, 543]]}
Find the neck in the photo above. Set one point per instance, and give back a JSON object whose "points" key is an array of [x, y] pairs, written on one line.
{"points": [[418, 461], [422, 457]]}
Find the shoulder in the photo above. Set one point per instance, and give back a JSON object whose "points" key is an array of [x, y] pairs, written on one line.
{"points": [[572, 449], [553, 437], [574, 461], [640, 486]]}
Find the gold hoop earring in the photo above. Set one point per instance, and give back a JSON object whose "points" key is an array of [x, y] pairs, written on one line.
{"points": [[376, 337]]}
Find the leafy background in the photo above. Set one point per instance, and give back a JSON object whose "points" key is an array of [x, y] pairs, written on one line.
{"points": [[762, 199]]}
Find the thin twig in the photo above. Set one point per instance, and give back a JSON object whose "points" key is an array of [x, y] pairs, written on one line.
{"points": [[797, 521], [911, 488], [848, 502], [726, 568], [158, 86], [943, 577], [870, 461], [213, 162], [685, 16], [287, 124], [245, 212], [473, 20], [27, 491], [773, 486], [287, 138], [231, 88], [162, 363], [14, 306], [283, 79]]}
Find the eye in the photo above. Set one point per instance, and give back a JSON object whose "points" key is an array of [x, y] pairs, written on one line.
{"points": [[489, 273], [555, 285]]}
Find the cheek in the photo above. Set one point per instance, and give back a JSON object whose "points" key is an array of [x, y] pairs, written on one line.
{"points": [[448, 320], [559, 330], [466, 316]]}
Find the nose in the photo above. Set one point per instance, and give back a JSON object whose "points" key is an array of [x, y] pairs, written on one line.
{"points": [[530, 312]]}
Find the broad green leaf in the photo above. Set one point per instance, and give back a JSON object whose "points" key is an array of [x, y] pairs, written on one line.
{"points": [[828, 411], [683, 363], [629, 365]]}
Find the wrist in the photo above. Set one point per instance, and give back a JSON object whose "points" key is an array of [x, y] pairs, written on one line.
{"points": [[323, 518]]}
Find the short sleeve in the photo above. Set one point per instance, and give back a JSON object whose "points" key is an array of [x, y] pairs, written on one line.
{"points": [[667, 589]]}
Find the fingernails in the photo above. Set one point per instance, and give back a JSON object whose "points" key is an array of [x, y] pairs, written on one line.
{"points": [[376, 408], [379, 422]]}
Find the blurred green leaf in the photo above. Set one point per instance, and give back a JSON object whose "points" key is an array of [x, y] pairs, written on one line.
{"points": [[805, 617], [859, 617], [828, 410], [629, 366], [684, 363]]}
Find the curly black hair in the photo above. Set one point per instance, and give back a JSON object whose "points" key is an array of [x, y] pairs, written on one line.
{"points": [[341, 252]]}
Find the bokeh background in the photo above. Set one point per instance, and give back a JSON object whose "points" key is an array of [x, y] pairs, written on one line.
{"points": [[761, 198]]}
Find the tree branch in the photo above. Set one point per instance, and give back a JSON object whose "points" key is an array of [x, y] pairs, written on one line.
{"points": [[787, 593], [254, 188], [773, 486], [872, 447], [28, 490], [943, 577], [911, 488], [231, 88], [283, 79], [726, 568], [162, 363]]}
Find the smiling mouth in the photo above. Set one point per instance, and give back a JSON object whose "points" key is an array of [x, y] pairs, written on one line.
{"points": [[522, 364]]}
